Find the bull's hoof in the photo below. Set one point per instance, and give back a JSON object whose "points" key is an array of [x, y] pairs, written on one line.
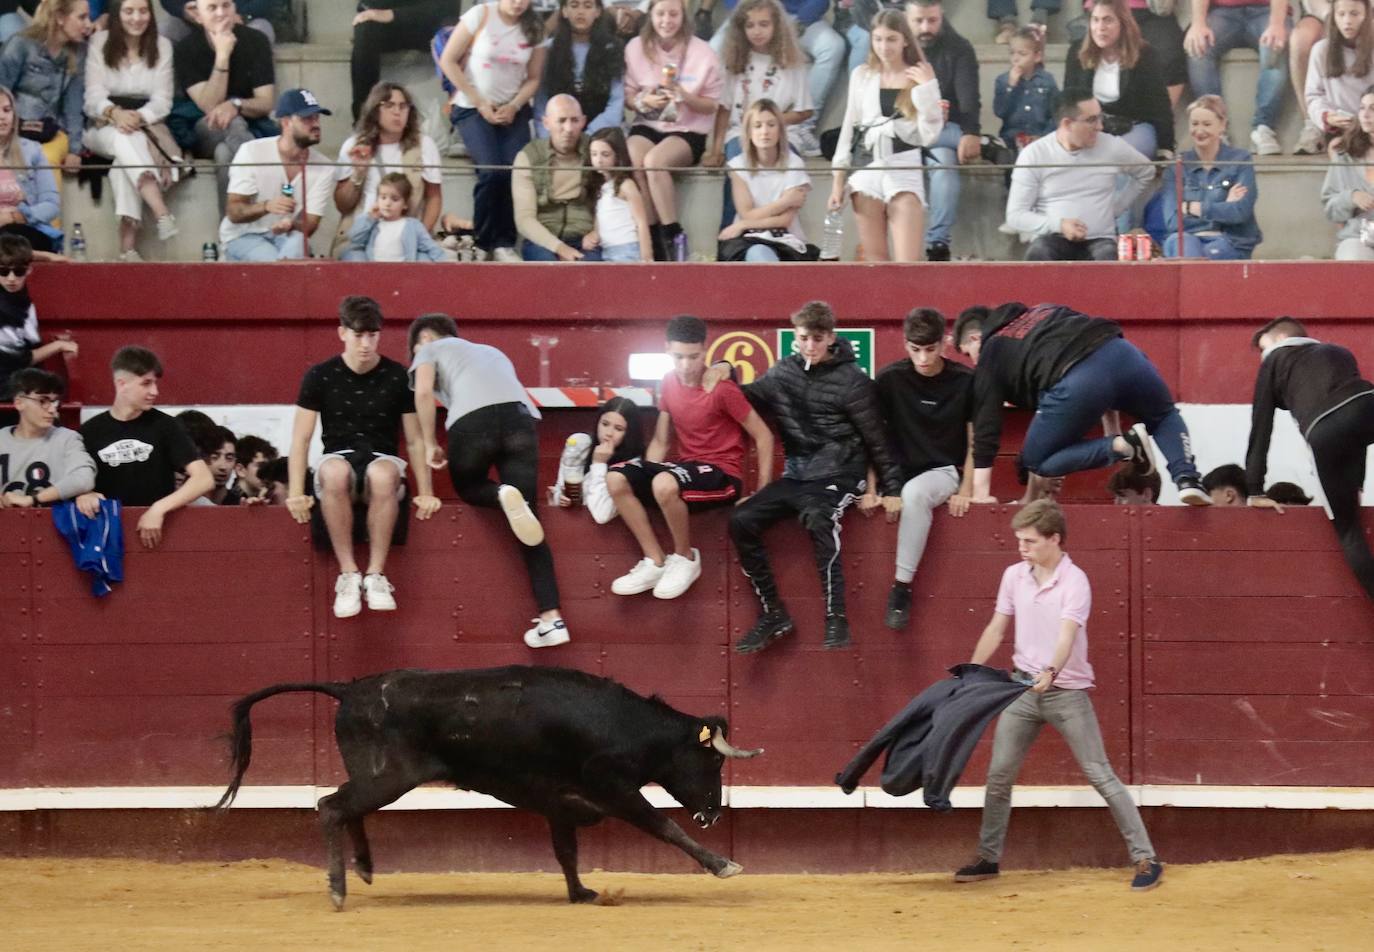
{"points": [[364, 871], [582, 894], [731, 868], [337, 898]]}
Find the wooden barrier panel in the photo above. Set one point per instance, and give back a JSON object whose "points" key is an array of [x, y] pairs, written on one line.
{"points": [[1231, 647]]}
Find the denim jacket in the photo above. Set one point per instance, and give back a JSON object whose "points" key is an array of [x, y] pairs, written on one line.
{"points": [[43, 87], [1026, 107], [416, 243], [1235, 220]]}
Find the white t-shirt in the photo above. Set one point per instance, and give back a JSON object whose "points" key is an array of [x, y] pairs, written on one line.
{"points": [[615, 222], [263, 182], [387, 245], [498, 58], [1107, 82], [767, 185], [387, 158], [764, 79]]}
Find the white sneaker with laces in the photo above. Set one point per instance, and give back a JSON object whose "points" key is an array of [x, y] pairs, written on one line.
{"points": [[642, 578], [130, 255], [1265, 141], [678, 575], [521, 517], [551, 637], [804, 137], [1310, 142], [506, 256], [378, 591], [348, 594], [167, 227]]}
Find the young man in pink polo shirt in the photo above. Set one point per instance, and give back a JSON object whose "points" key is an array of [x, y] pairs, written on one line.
{"points": [[1050, 600]]}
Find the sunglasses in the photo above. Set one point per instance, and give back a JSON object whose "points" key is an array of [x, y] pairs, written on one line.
{"points": [[17, 271]]}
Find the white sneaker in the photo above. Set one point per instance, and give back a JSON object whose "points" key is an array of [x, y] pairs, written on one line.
{"points": [[378, 591], [642, 578], [130, 255], [551, 637], [1310, 142], [804, 138], [506, 256], [348, 594], [521, 518], [1265, 141], [167, 227], [678, 575], [572, 465]]}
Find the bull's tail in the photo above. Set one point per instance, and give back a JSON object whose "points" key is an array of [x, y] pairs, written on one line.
{"points": [[241, 741]]}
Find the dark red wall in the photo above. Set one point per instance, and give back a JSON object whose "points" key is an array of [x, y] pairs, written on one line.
{"points": [[244, 334], [1231, 646]]}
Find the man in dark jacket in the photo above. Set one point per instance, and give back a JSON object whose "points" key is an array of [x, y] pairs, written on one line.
{"points": [[1072, 370], [1322, 387], [956, 69], [827, 409]]}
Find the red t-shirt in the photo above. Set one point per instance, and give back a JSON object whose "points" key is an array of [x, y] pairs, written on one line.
{"points": [[708, 425]]}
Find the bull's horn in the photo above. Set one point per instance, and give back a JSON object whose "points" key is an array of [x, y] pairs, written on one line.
{"points": [[723, 746]]}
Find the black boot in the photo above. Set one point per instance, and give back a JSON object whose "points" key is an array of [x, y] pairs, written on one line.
{"points": [[836, 632], [898, 607], [772, 625]]}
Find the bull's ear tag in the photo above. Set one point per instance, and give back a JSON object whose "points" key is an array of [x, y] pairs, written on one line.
{"points": [[705, 736]]}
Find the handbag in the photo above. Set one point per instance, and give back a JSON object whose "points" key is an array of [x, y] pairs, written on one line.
{"points": [[39, 130], [1116, 125]]}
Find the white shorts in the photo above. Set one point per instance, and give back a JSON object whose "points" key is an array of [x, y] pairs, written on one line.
{"points": [[357, 466], [903, 172]]}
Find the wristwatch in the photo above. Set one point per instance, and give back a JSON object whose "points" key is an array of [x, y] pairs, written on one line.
{"points": [[237, 103]]}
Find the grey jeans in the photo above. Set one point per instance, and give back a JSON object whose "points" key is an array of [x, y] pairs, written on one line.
{"points": [[921, 496], [1071, 713], [221, 145]]}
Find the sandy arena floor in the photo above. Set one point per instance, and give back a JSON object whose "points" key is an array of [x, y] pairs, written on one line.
{"points": [[1315, 903]]}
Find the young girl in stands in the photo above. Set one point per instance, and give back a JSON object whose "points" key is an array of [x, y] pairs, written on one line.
{"points": [[1341, 66], [20, 344], [587, 62], [770, 185], [619, 437], [622, 228], [45, 66], [385, 233], [1024, 96], [762, 60], [893, 110], [673, 83], [493, 59], [1348, 192], [29, 200]]}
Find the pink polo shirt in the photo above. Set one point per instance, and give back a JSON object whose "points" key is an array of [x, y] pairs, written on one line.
{"points": [[1038, 610]]}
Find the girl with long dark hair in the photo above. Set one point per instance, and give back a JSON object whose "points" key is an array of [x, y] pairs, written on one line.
{"points": [[586, 61], [622, 228], [1348, 192], [618, 437], [1341, 66]]}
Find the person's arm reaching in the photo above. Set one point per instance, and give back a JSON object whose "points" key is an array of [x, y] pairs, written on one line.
{"points": [[863, 409], [1261, 428], [426, 503], [963, 496], [763, 447], [434, 456], [298, 501], [198, 483]]}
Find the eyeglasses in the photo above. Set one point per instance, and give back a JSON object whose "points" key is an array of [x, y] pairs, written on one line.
{"points": [[17, 271], [47, 403], [1090, 120]]}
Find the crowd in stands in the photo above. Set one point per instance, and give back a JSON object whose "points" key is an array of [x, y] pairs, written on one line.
{"points": [[150, 86]]}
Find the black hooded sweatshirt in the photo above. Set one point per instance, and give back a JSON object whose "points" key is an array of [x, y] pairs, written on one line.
{"points": [[1026, 351], [831, 423]]}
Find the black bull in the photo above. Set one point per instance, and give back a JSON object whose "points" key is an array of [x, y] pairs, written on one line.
{"points": [[570, 746]]}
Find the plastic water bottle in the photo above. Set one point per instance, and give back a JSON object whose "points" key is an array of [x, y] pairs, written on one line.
{"points": [[833, 235], [209, 251], [78, 243]]}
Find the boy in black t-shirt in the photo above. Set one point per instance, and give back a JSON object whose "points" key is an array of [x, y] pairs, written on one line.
{"points": [[927, 405], [361, 399], [139, 449]]}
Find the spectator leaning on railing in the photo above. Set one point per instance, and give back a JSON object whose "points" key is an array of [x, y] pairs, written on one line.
{"points": [[45, 67], [1219, 192], [29, 200], [43, 462], [1064, 190], [128, 95], [1348, 192]]}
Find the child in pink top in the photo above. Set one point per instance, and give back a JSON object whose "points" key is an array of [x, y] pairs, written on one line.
{"points": [[673, 83]]}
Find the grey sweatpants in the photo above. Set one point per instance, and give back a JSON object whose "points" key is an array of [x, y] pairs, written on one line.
{"points": [[921, 495], [1070, 712]]}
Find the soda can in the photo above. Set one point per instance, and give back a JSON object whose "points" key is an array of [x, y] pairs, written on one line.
{"points": [[1125, 247], [1144, 247]]}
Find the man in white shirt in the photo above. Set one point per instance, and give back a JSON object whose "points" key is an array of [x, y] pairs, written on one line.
{"points": [[1064, 188], [279, 186]]}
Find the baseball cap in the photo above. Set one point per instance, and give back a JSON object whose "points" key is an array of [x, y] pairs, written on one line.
{"points": [[299, 102]]}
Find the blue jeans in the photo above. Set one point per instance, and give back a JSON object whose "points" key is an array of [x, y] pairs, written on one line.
{"points": [[1144, 140], [1234, 28], [760, 254], [1216, 247], [626, 252], [1006, 9], [942, 185], [727, 204], [493, 211], [264, 246], [532, 252], [1117, 376], [859, 44], [827, 51]]}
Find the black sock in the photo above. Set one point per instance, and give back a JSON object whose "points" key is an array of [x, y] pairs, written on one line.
{"points": [[898, 583]]}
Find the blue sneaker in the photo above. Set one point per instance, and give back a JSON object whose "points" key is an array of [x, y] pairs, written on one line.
{"points": [[1148, 873]]}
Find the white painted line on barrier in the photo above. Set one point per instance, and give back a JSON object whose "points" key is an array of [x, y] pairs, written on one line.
{"points": [[739, 797]]}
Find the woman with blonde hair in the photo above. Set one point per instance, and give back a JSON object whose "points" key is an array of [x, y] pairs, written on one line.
{"points": [[893, 110], [29, 200], [45, 67], [770, 185], [1218, 190]]}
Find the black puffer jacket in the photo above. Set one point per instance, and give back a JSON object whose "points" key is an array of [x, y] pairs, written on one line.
{"points": [[830, 419]]}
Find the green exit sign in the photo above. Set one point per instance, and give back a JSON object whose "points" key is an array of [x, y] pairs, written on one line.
{"points": [[861, 339]]}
